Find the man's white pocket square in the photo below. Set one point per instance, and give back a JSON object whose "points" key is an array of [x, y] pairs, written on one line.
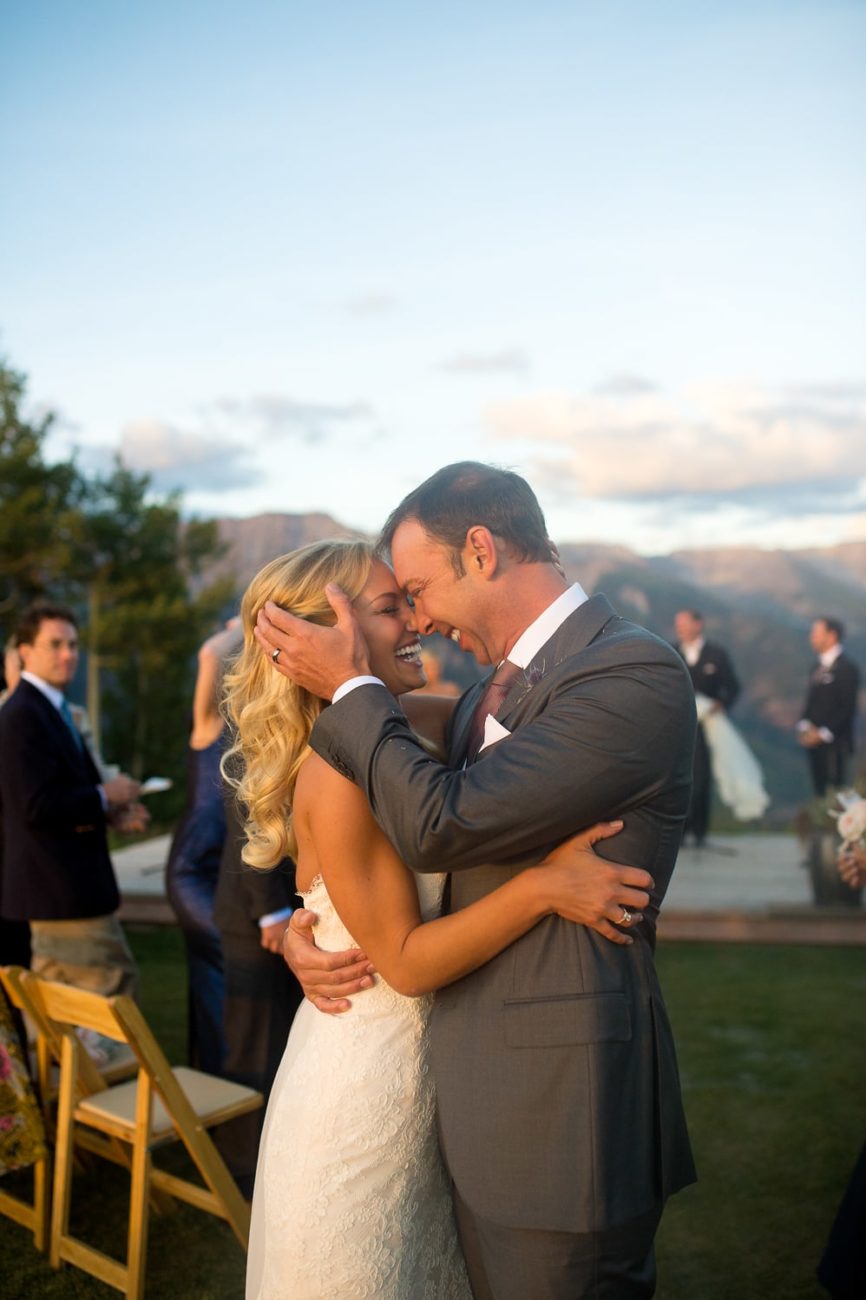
{"points": [[493, 731]]}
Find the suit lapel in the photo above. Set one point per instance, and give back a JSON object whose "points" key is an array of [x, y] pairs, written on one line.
{"points": [[577, 632], [53, 718], [462, 722], [581, 628]]}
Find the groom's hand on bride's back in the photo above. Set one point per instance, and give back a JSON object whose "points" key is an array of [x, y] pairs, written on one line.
{"points": [[327, 978], [318, 658]]}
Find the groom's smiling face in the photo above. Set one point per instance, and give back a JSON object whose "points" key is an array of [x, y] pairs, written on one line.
{"points": [[445, 601]]}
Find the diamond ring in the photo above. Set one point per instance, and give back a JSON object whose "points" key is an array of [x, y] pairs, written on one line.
{"points": [[627, 917], [275, 654]]}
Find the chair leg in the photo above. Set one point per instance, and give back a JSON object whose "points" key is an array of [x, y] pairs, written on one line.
{"points": [[41, 1202], [63, 1151], [136, 1255]]}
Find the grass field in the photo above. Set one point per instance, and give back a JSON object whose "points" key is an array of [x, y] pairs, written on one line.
{"points": [[771, 1047]]}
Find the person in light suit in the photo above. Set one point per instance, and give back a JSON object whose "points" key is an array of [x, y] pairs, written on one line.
{"points": [[559, 1100]]}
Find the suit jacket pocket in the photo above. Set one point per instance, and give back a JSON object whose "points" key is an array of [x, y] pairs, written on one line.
{"points": [[567, 1020]]}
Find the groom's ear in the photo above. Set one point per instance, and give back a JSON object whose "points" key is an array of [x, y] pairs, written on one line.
{"points": [[480, 556]]}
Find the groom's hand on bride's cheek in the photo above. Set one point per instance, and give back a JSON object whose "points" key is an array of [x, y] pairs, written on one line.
{"points": [[328, 979], [317, 657]]}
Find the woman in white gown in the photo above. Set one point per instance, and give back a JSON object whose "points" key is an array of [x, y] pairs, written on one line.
{"points": [[351, 1198]]}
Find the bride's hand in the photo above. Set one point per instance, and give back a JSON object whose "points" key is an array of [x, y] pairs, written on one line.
{"points": [[327, 978], [603, 895]]}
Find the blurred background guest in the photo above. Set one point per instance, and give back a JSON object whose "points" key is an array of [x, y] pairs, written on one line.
{"points": [[826, 729], [194, 857], [14, 935], [11, 669], [713, 676], [55, 806], [436, 683], [253, 909]]}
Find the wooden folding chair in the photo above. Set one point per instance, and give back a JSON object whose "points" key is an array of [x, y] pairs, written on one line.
{"points": [[46, 1047], [30, 1213], [46, 1042], [159, 1106]]}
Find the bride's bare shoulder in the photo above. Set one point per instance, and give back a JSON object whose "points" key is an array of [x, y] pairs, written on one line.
{"points": [[321, 791]]}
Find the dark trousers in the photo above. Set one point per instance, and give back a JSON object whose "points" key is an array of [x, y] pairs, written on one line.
{"points": [[261, 998], [205, 1043], [842, 1269], [698, 819], [828, 765], [517, 1263]]}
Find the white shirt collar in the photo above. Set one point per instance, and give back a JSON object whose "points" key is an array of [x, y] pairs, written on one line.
{"points": [[528, 644], [829, 657], [692, 650], [50, 692]]}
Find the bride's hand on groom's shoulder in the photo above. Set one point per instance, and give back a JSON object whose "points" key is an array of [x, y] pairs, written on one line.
{"points": [[592, 891], [328, 979]]}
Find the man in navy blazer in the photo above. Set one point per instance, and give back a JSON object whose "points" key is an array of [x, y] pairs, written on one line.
{"points": [[56, 871]]}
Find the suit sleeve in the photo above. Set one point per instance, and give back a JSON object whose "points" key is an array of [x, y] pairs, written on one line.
{"points": [[603, 742], [268, 891], [841, 704], [729, 684]]}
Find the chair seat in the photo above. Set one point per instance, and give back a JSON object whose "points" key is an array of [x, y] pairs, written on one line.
{"points": [[212, 1100]]}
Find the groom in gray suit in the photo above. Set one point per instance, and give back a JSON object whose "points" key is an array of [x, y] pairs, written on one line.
{"points": [[559, 1098]]}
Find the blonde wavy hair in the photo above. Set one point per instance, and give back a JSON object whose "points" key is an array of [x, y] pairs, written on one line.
{"points": [[270, 717]]}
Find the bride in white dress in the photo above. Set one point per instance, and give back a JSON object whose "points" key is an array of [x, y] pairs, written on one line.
{"points": [[351, 1197]]}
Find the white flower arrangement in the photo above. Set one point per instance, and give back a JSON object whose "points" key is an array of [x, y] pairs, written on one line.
{"points": [[851, 820]]}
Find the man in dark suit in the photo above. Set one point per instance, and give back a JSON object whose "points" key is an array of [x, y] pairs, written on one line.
{"points": [[559, 1101], [252, 910], [712, 675], [56, 871], [826, 730]]}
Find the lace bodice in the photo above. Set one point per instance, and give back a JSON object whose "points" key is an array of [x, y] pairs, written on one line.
{"points": [[351, 1198], [333, 936]]}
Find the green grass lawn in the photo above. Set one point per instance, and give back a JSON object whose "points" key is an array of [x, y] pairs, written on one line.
{"points": [[771, 1052]]}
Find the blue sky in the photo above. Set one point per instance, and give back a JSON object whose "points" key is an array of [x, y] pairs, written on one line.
{"points": [[295, 257]]}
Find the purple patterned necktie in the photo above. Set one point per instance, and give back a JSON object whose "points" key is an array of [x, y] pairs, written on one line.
{"points": [[491, 701]]}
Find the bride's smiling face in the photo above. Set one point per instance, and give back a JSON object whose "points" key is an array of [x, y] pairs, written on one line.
{"points": [[388, 624]]}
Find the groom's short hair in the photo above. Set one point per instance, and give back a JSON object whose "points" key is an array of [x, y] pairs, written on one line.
{"points": [[458, 496]]}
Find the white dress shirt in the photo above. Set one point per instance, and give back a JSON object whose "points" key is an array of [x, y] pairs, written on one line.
{"points": [[691, 650]]}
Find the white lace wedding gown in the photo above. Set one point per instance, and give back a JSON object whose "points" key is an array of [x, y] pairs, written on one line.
{"points": [[351, 1197]]}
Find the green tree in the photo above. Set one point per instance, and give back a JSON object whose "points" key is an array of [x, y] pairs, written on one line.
{"points": [[131, 566], [40, 514], [138, 562]]}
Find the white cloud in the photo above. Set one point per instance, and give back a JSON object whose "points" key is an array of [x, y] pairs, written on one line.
{"points": [[625, 385], [508, 360], [181, 458], [223, 447], [714, 440], [372, 303], [274, 415]]}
